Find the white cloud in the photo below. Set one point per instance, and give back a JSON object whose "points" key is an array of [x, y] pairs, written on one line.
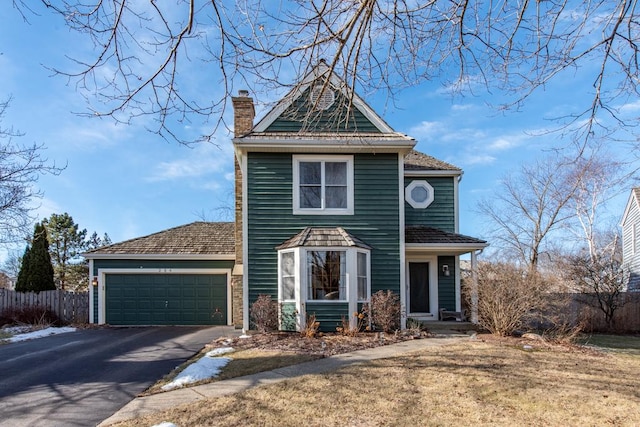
{"points": [[427, 130], [205, 160], [461, 107], [630, 107], [477, 159], [506, 142]]}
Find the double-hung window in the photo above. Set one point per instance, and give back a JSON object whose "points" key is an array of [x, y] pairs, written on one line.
{"points": [[323, 185]]}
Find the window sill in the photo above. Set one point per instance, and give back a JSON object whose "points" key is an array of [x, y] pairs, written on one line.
{"points": [[323, 211]]}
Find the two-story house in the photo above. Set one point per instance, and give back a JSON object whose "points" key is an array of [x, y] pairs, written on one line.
{"points": [[332, 205]]}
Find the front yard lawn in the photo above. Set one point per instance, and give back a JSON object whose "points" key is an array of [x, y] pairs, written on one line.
{"points": [[473, 383], [625, 344]]}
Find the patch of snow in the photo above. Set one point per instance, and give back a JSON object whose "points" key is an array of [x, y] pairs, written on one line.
{"points": [[206, 367], [244, 336], [165, 424], [41, 333]]}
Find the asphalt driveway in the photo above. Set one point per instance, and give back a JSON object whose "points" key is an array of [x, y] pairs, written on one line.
{"points": [[81, 378]]}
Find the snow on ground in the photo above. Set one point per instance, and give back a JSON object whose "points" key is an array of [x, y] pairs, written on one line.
{"points": [[206, 367], [36, 334]]}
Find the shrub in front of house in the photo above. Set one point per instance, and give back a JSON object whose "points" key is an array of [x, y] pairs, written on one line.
{"points": [[383, 311], [508, 297], [264, 314]]}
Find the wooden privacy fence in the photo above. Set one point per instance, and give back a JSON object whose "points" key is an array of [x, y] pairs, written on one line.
{"points": [[626, 318], [69, 306]]}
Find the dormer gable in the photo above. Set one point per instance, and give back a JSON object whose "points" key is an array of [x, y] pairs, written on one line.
{"points": [[322, 114], [322, 103]]}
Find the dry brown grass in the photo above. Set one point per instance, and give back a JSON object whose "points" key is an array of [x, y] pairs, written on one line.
{"points": [[475, 383]]}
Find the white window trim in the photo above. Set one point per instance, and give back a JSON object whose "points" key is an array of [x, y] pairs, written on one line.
{"points": [[296, 185], [296, 278], [368, 272], [304, 279], [419, 204]]}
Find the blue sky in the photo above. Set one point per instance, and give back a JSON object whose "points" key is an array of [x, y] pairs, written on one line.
{"points": [[128, 182]]}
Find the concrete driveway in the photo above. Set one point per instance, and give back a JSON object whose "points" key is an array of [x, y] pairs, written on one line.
{"points": [[81, 378]]}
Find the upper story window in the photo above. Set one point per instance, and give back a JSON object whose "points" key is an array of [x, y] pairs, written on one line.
{"points": [[323, 185], [419, 194]]}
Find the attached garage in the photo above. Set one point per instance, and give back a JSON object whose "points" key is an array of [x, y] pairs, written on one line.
{"points": [[166, 299], [180, 276]]}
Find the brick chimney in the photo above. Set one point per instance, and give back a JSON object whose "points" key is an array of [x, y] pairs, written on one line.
{"points": [[243, 115]]}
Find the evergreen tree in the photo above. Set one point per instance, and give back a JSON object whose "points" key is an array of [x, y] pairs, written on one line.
{"points": [[36, 273], [23, 274], [67, 241]]}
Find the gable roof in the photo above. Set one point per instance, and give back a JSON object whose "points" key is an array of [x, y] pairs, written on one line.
{"points": [[295, 123], [204, 239], [321, 74], [323, 237], [634, 200], [417, 161]]}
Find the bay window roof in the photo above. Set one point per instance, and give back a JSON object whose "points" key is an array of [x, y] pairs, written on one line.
{"points": [[330, 237]]}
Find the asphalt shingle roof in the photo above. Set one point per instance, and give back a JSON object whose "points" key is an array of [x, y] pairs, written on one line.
{"points": [[422, 234], [201, 238], [415, 160]]}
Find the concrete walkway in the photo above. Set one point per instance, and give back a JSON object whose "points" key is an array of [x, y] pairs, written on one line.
{"points": [[159, 402]]}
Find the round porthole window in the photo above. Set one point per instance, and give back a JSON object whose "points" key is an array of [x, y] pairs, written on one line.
{"points": [[419, 194]]}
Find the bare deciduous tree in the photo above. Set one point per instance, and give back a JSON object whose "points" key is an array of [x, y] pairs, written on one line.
{"points": [[600, 278], [146, 52], [508, 296], [528, 206], [20, 168]]}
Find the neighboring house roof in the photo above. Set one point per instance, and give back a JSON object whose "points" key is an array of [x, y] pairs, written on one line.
{"points": [[417, 161], [423, 235], [197, 238], [323, 237], [634, 200]]}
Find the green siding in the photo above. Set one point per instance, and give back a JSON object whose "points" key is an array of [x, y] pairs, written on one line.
{"points": [[328, 314], [439, 214], [447, 284], [334, 119], [288, 316], [271, 220]]}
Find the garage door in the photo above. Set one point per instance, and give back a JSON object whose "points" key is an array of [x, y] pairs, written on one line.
{"points": [[166, 299]]}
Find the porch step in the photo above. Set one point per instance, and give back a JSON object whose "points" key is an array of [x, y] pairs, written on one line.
{"points": [[450, 327]]}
